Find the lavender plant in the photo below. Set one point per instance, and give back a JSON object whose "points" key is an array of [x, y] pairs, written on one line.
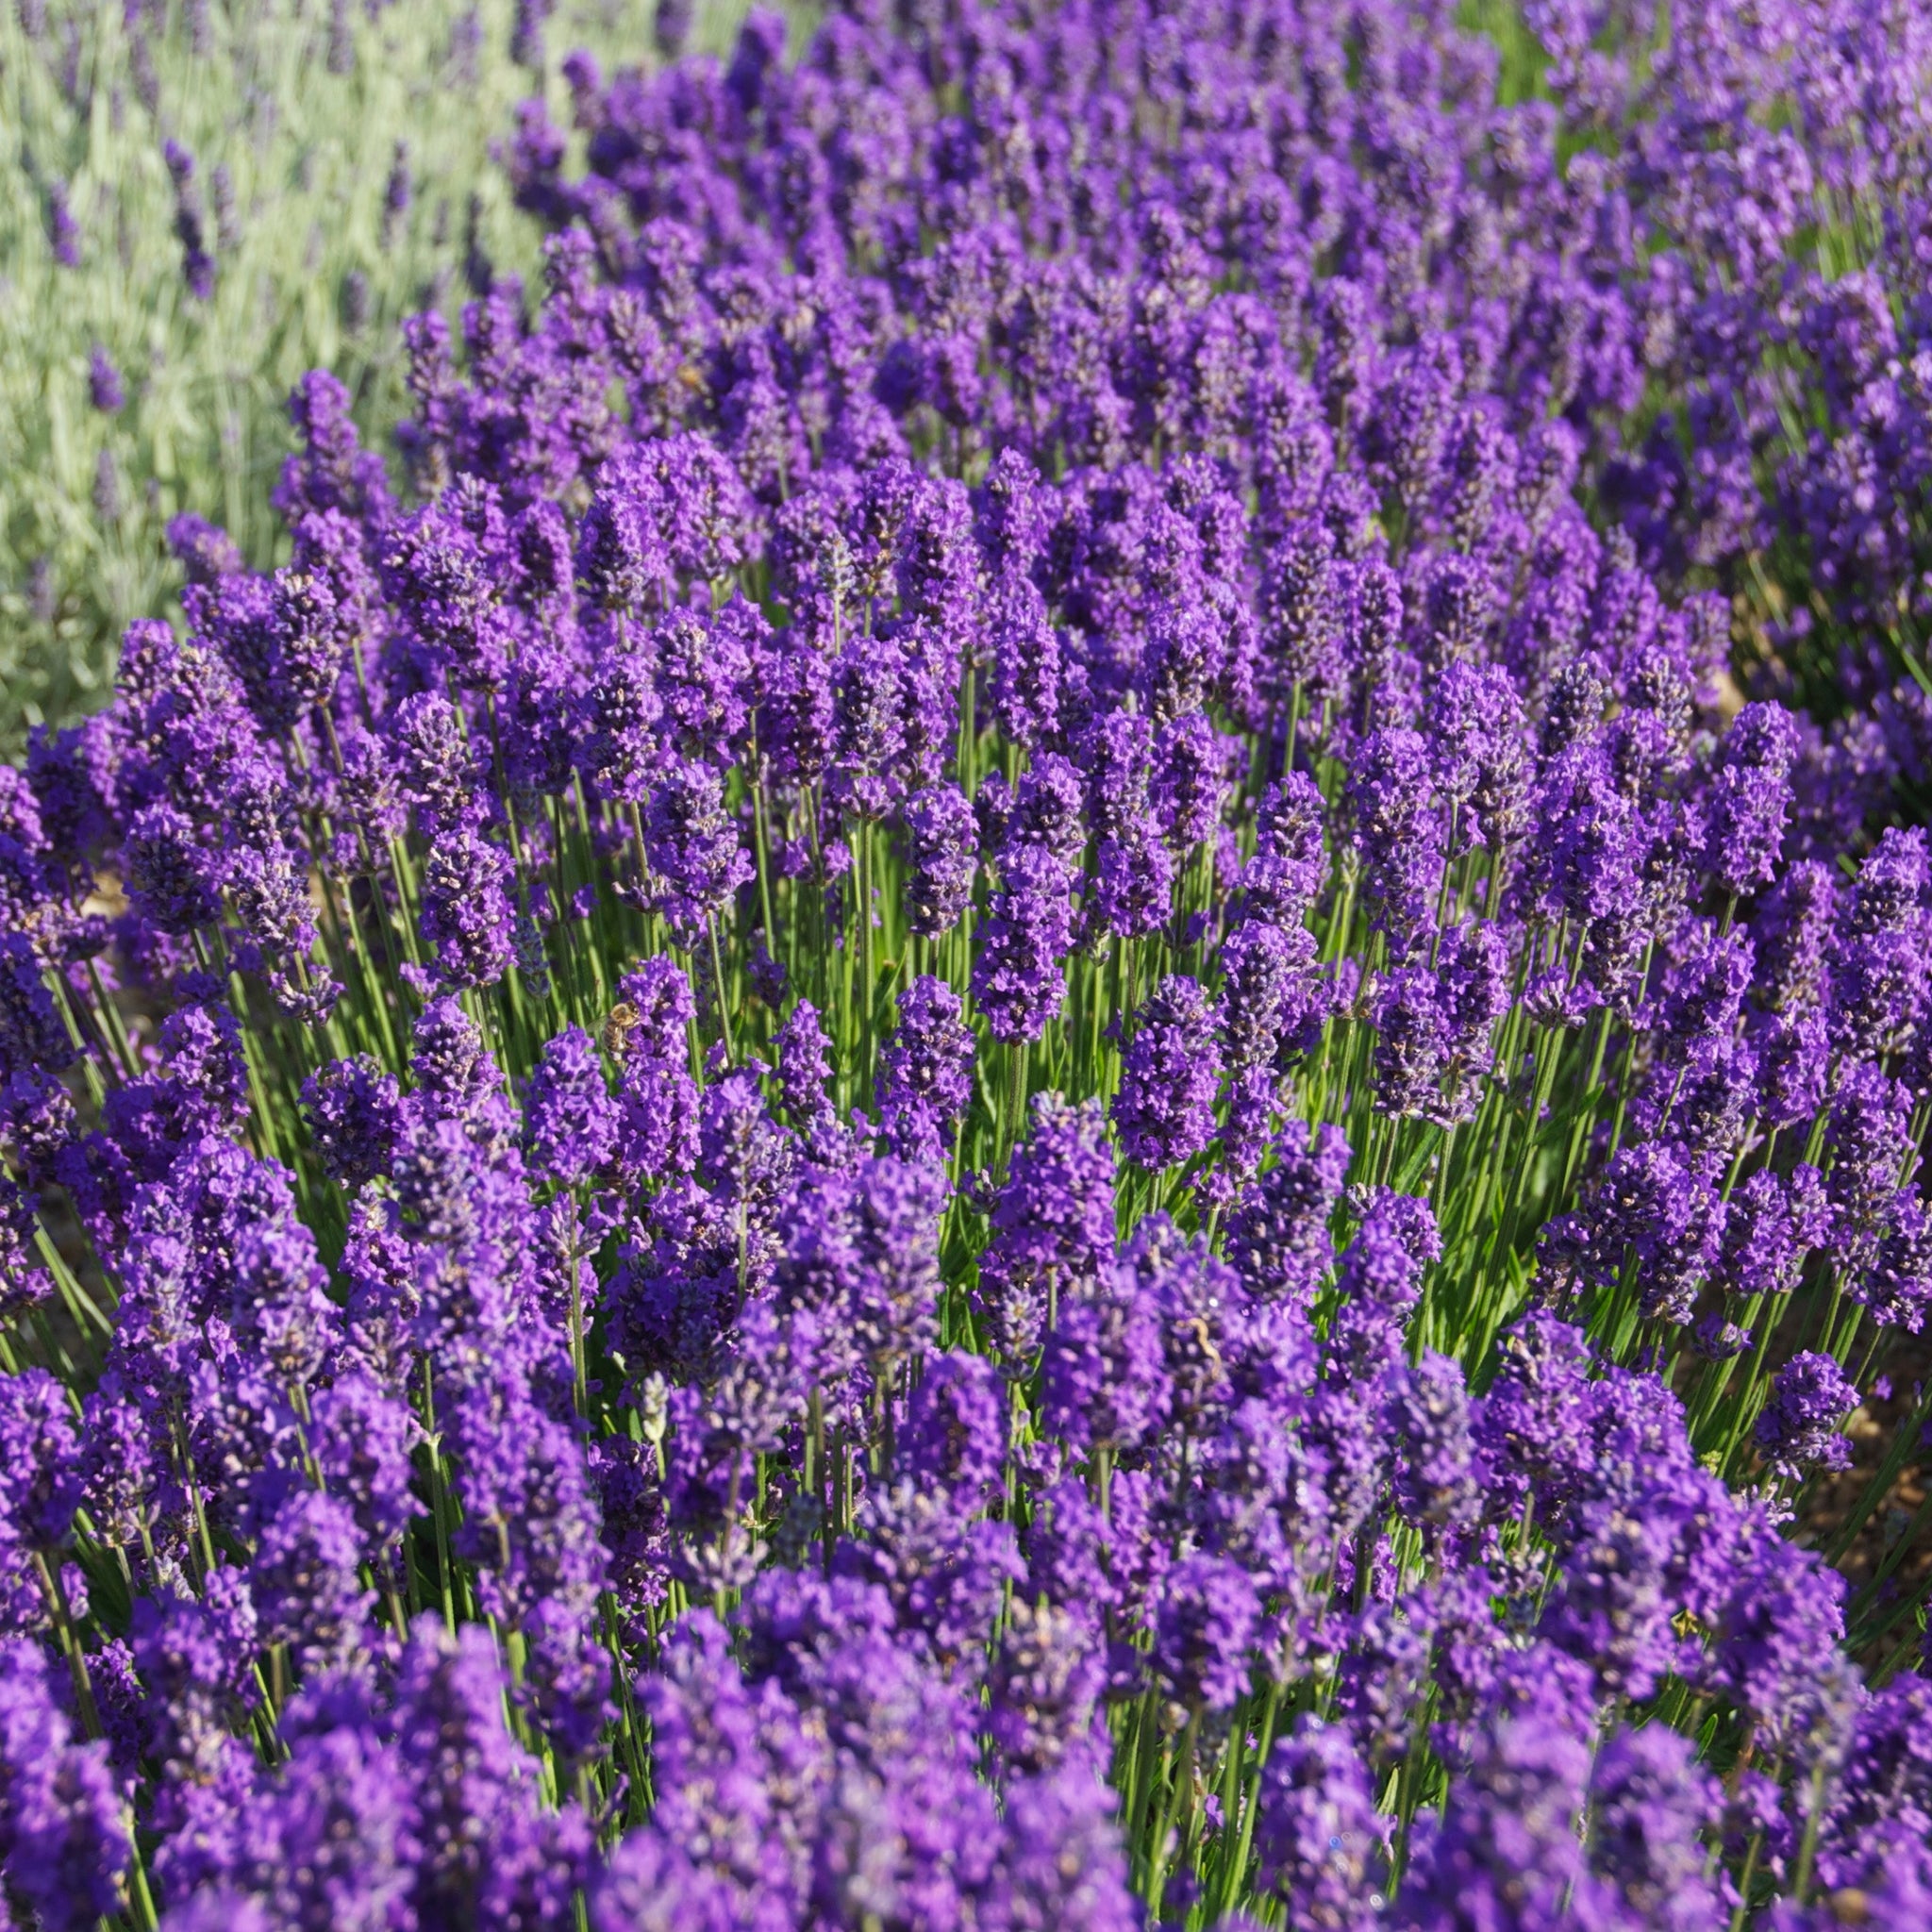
{"points": [[198, 204], [984, 1092]]}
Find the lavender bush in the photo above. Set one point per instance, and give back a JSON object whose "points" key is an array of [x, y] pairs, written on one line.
{"points": [[198, 202], [985, 1092]]}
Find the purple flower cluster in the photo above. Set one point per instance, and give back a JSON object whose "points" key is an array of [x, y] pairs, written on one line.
{"points": [[985, 1091]]}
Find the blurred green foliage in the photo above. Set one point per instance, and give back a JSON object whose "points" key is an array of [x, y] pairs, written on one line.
{"points": [[299, 114]]}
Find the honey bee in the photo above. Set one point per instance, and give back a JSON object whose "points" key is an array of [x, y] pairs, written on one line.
{"points": [[616, 1028]]}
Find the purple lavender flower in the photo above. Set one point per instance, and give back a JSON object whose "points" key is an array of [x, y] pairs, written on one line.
{"points": [[437, 767], [620, 750], [204, 550], [1650, 1805], [355, 1115], [32, 1033], [1104, 1378], [693, 849], [1134, 868], [104, 389], [943, 858], [1800, 1426], [1790, 933], [1060, 1859], [66, 1845], [861, 1259], [331, 470], [1372, 627], [1506, 1850], [1764, 1246], [1270, 1006], [924, 1080], [1047, 810], [1706, 982], [1780, 1620], [955, 1435], [1164, 1112], [1204, 1624], [1439, 1474], [449, 1061], [445, 567], [1534, 1425], [467, 920], [1751, 797], [527, 33], [904, 1798], [657, 1100], [671, 27], [1025, 662], [197, 264], [570, 1120], [1319, 1840], [41, 1488], [1794, 1053], [736, 1774], [1190, 780], [943, 1575], [1897, 1285], [24, 1278], [1379, 1281], [362, 1440], [873, 759], [1478, 736], [305, 1579], [1880, 1804], [1588, 862], [1872, 1156], [63, 231], [1397, 830], [1433, 1025], [396, 196], [1019, 978], [1657, 1205], [1878, 976], [1046, 1688], [1285, 877], [490, 1853], [702, 679], [1613, 1607], [1052, 1225], [1277, 1236], [333, 1840], [805, 1065], [1299, 628], [530, 1526], [691, 565], [622, 559]]}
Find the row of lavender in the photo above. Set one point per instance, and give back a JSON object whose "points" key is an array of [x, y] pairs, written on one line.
{"points": [[994, 1099], [1698, 236]]}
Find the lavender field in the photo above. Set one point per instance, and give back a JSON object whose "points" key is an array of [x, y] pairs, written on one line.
{"points": [[1039, 1039]]}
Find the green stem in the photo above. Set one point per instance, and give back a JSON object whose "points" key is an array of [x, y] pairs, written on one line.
{"points": [[1180, 1783]]}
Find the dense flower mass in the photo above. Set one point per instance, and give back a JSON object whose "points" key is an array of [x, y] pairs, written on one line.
{"points": [[984, 1091]]}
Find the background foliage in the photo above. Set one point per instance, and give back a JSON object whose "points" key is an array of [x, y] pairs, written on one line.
{"points": [[292, 114]]}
